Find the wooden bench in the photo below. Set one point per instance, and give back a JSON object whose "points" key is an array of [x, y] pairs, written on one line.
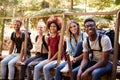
{"points": [[70, 74], [118, 72]]}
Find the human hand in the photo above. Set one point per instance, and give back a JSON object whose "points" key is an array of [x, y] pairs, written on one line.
{"points": [[74, 60], [84, 75], [18, 62], [46, 62]]}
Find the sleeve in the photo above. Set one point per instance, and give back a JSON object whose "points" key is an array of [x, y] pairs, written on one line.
{"points": [[85, 46], [84, 35], [68, 46], [12, 36], [106, 43]]}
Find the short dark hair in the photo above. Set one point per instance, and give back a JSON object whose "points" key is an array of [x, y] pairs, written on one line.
{"points": [[89, 19]]}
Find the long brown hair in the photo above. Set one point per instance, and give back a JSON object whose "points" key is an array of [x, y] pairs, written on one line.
{"points": [[68, 32]]}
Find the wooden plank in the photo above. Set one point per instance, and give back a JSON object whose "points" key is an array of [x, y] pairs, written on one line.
{"points": [[116, 46], [118, 72], [61, 40], [92, 13], [70, 67], [67, 14]]}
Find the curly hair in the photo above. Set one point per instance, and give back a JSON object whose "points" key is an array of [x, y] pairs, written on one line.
{"points": [[68, 32], [56, 20]]}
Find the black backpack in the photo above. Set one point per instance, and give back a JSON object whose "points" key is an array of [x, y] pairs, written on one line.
{"points": [[110, 34], [29, 42]]}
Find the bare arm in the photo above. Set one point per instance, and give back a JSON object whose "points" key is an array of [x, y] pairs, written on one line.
{"points": [[77, 58], [83, 64], [11, 47], [54, 57], [22, 51], [49, 54], [103, 62], [84, 61]]}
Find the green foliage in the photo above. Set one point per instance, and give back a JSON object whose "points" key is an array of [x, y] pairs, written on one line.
{"points": [[43, 12], [117, 2], [0, 29]]}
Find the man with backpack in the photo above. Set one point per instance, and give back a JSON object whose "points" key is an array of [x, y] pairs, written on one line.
{"points": [[17, 40], [95, 61]]}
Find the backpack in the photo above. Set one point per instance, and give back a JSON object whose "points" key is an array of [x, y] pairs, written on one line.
{"points": [[110, 34], [29, 42], [43, 39]]}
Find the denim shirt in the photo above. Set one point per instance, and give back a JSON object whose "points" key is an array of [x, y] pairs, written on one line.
{"points": [[72, 44]]}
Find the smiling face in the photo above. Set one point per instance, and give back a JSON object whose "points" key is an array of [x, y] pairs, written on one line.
{"points": [[90, 28], [53, 28], [17, 25], [73, 28], [41, 27]]}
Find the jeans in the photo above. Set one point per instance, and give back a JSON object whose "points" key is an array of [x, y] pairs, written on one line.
{"points": [[37, 69], [99, 72], [75, 71], [47, 67], [9, 61], [24, 67], [58, 75], [29, 64]]}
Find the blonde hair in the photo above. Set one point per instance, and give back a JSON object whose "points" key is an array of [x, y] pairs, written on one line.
{"points": [[41, 23], [68, 32]]}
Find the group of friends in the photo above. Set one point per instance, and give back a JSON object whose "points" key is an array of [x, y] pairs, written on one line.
{"points": [[84, 62]]}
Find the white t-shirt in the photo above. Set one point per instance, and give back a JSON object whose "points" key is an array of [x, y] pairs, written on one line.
{"points": [[105, 43]]}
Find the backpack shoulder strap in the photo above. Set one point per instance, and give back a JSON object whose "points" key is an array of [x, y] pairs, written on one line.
{"points": [[99, 38], [36, 38], [44, 43], [88, 43]]}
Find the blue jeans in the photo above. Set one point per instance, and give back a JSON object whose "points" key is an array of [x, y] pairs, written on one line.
{"points": [[9, 61], [37, 69], [99, 72], [29, 64], [58, 75], [47, 67], [75, 71]]}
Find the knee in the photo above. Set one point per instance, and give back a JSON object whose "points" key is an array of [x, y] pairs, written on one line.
{"points": [[58, 69], [45, 68], [10, 64], [36, 68], [95, 73], [3, 62]]}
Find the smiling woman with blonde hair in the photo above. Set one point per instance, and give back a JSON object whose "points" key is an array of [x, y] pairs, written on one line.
{"points": [[41, 50], [74, 38]]}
